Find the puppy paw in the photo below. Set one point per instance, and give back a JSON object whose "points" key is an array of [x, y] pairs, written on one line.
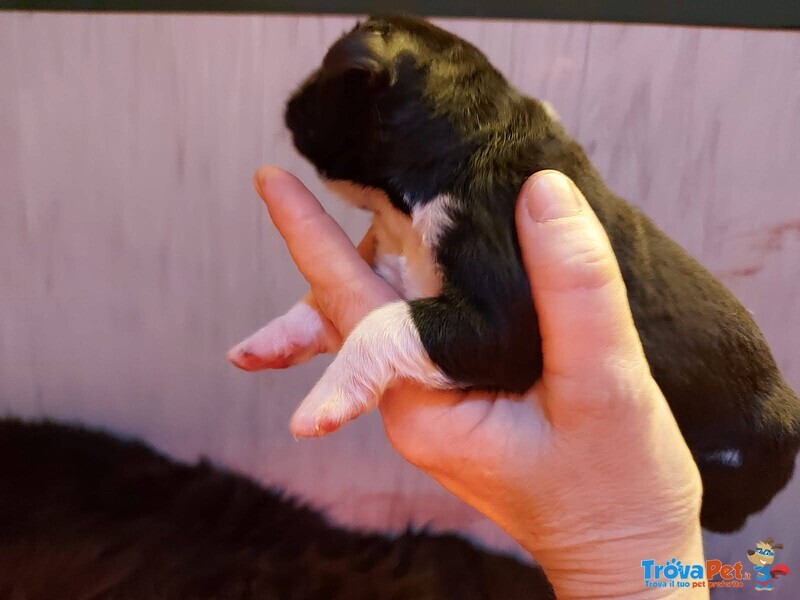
{"points": [[288, 340], [330, 405], [248, 358]]}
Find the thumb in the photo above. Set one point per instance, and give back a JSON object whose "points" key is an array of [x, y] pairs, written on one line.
{"points": [[584, 317]]}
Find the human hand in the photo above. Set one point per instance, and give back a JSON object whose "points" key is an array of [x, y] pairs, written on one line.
{"points": [[588, 471]]}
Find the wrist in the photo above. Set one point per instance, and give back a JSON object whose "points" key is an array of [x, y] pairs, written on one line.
{"points": [[612, 567]]}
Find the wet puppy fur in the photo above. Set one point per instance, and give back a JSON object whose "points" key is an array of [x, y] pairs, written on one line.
{"points": [[410, 110], [86, 515]]}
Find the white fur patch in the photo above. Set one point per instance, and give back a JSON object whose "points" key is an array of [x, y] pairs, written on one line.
{"points": [[383, 348], [392, 269], [433, 219], [403, 245], [729, 458], [551, 112], [288, 340]]}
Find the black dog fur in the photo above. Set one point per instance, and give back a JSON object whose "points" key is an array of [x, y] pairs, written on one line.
{"points": [[409, 109], [86, 516]]}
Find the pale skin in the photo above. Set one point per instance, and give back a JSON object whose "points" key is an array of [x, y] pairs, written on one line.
{"points": [[588, 471]]}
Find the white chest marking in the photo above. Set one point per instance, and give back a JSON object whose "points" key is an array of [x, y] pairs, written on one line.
{"points": [[404, 252]]}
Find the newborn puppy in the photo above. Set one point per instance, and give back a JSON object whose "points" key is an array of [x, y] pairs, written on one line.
{"points": [[414, 124]]}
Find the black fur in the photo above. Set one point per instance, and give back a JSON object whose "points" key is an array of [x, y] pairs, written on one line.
{"points": [[421, 113], [87, 516]]}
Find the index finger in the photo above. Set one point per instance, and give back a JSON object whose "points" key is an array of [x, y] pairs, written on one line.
{"points": [[323, 253]]}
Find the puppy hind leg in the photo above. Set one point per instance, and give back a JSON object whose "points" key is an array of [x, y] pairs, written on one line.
{"points": [[383, 348], [297, 336], [291, 339]]}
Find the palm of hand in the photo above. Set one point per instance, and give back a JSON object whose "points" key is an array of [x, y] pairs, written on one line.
{"points": [[584, 467]]}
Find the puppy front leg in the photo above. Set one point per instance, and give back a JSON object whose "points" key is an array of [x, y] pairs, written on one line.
{"points": [[297, 336], [383, 348]]}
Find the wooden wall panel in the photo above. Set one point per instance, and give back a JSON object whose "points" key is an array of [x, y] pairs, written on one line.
{"points": [[133, 250]]}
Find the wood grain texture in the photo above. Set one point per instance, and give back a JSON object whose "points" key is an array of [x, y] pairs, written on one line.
{"points": [[133, 251]]}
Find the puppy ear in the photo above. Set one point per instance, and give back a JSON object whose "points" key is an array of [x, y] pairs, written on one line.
{"points": [[751, 552], [361, 51]]}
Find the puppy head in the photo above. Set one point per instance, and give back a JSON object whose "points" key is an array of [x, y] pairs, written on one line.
{"points": [[397, 104]]}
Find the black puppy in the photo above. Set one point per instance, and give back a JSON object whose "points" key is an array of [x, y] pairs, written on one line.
{"points": [[415, 125], [87, 516]]}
